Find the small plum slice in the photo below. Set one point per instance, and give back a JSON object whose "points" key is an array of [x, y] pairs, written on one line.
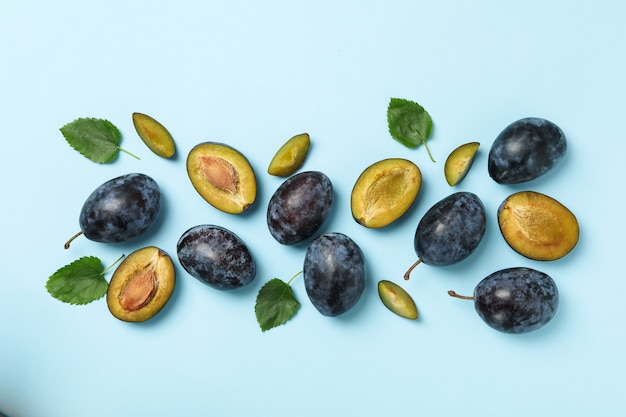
{"points": [[290, 157], [222, 176], [142, 285], [459, 162], [537, 226], [154, 135], [385, 191], [397, 300]]}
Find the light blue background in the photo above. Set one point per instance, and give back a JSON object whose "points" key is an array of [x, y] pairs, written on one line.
{"points": [[252, 74]]}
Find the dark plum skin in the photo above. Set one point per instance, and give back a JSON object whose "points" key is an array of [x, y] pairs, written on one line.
{"points": [[516, 300], [121, 209], [216, 256], [334, 273], [451, 229], [299, 207], [525, 150]]}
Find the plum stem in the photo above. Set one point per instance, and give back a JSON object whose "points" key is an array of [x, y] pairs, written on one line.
{"points": [[67, 244], [462, 297], [407, 274], [293, 277]]}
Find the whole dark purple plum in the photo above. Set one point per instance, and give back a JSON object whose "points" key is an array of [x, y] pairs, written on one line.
{"points": [[120, 209], [299, 207], [216, 256], [334, 273], [525, 150], [515, 300], [450, 230]]}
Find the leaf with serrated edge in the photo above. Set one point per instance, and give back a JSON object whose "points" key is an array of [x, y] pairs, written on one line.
{"points": [[96, 139], [409, 123], [79, 282], [275, 304]]}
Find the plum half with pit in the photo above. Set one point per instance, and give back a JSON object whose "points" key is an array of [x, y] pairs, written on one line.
{"points": [[142, 285], [223, 176]]}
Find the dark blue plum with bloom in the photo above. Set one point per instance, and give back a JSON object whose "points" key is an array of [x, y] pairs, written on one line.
{"points": [[525, 150]]}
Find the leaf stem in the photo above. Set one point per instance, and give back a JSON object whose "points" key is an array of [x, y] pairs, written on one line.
{"points": [[113, 264], [294, 277], [129, 153], [428, 150]]}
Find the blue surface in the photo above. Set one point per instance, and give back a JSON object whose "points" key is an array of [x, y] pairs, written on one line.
{"points": [[253, 74]]}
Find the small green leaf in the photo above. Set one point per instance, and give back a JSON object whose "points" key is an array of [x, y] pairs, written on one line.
{"points": [[96, 139], [409, 123], [275, 304], [79, 282]]}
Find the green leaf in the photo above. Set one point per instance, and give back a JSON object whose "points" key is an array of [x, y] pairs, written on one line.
{"points": [[79, 282], [275, 304], [96, 139], [409, 123]]}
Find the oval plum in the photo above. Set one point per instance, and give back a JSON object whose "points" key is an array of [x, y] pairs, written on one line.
{"points": [[120, 209], [515, 300], [216, 256], [334, 273], [450, 230], [525, 150], [299, 207]]}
